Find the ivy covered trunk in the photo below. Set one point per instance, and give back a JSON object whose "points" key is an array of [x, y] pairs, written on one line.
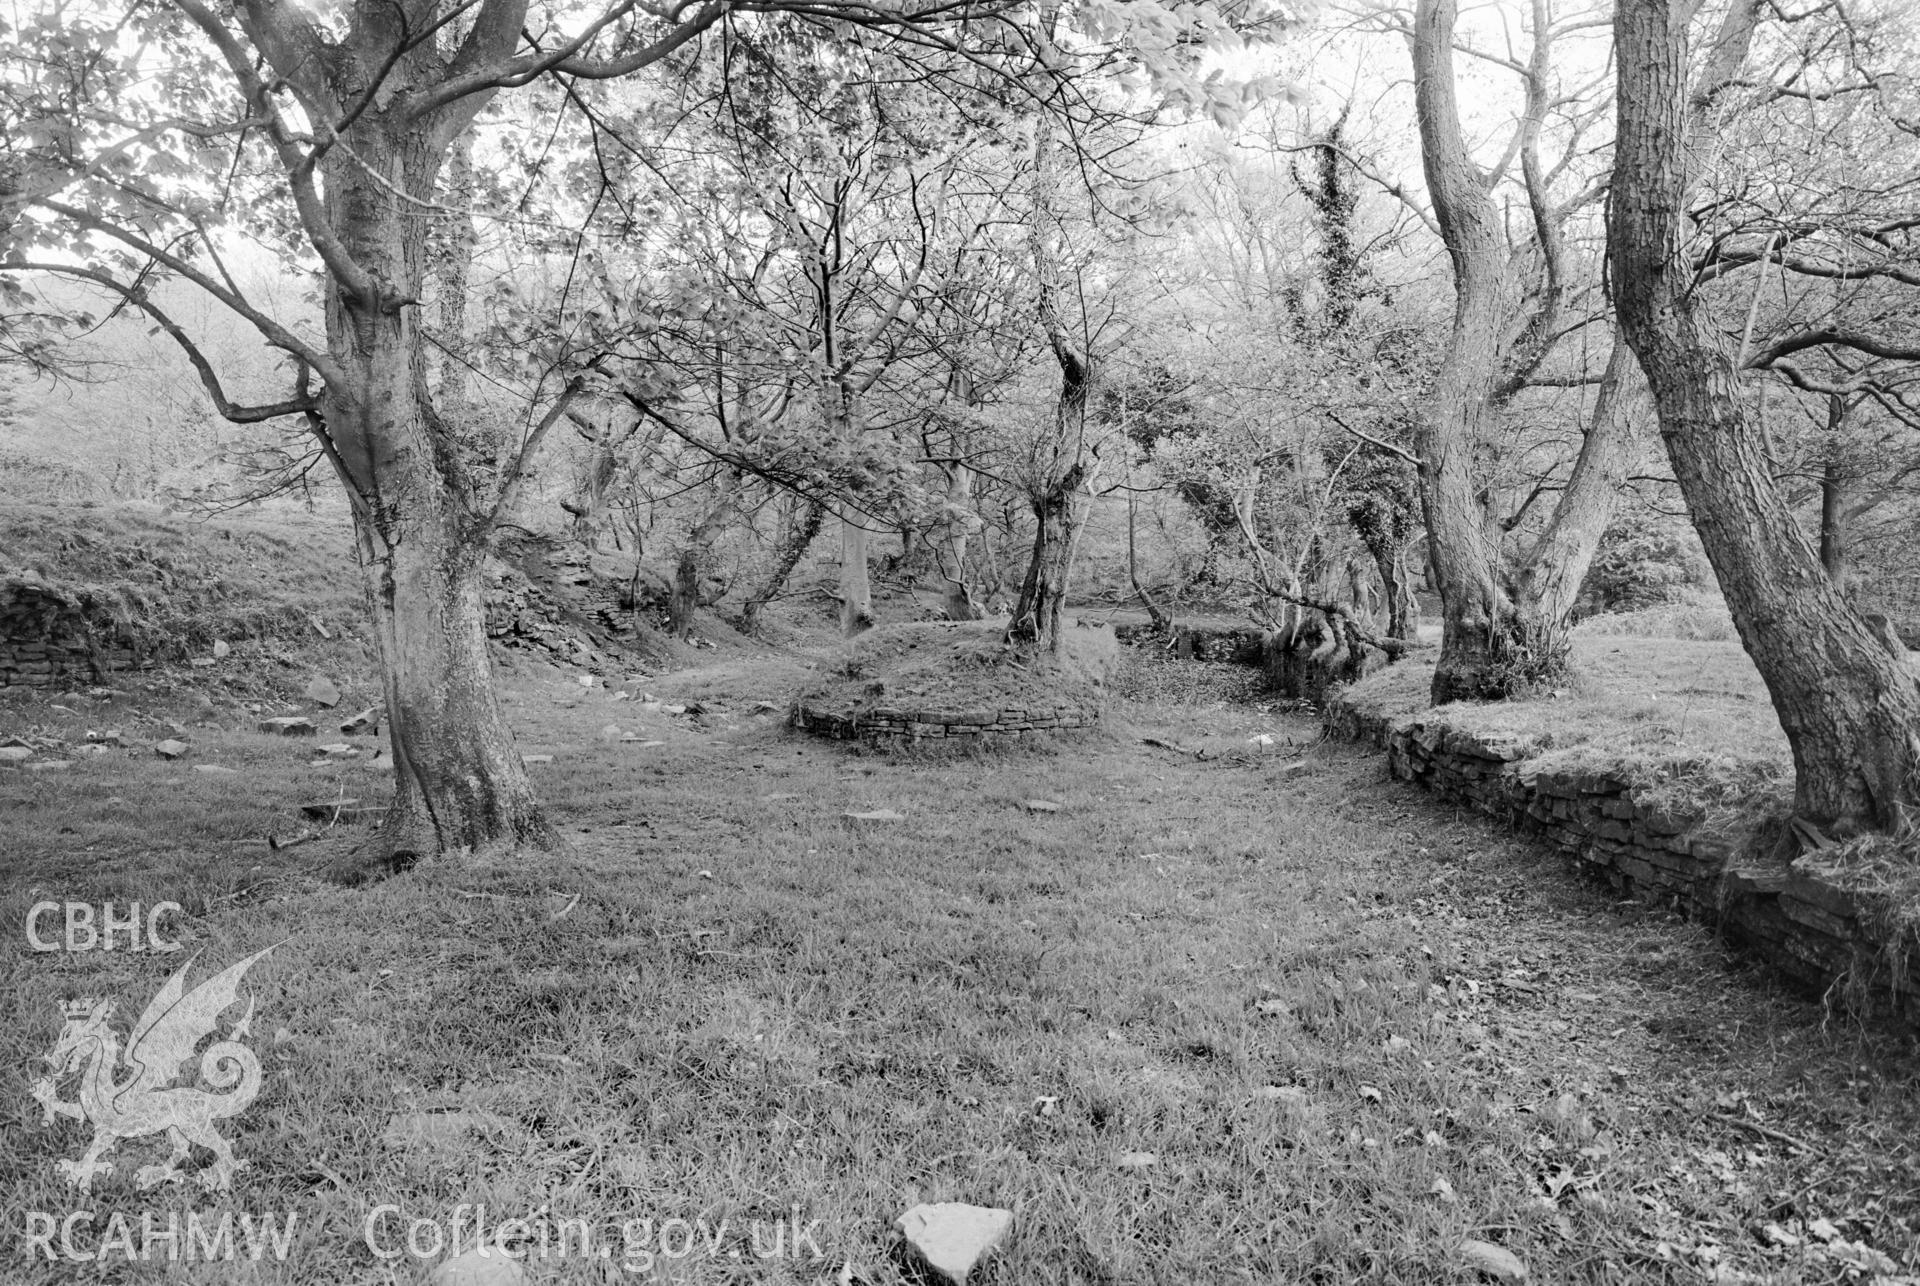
{"points": [[1849, 706], [802, 529], [459, 782]]}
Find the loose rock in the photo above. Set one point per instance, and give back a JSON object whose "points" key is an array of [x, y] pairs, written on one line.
{"points": [[951, 1237], [322, 692], [481, 1266], [170, 749], [287, 726]]}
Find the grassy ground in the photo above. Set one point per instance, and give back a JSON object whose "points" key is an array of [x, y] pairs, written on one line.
{"points": [[1254, 1016]]}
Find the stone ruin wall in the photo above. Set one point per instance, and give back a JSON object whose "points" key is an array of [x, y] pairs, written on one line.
{"points": [[1788, 914], [52, 635]]}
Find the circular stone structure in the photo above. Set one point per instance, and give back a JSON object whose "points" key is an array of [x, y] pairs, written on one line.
{"points": [[942, 680], [883, 723]]}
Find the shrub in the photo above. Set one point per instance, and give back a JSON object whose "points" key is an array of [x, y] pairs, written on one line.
{"points": [[1642, 564]]}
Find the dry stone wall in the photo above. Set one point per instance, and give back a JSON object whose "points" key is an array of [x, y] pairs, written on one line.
{"points": [[52, 634], [1795, 915], [884, 724]]}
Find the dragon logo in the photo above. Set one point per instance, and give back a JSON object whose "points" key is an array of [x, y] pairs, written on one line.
{"points": [[147, 1102]]}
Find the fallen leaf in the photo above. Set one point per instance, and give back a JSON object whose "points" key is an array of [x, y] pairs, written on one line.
{"points": [[1496, 1262]]}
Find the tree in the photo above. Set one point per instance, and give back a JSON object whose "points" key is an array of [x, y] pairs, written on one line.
{"points": [[1504, 615], [330, 134], [1849, 705]]}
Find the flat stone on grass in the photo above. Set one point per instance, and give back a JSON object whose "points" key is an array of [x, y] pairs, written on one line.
{"points": [[287, 725], [481, 1266], [950, 1238]]}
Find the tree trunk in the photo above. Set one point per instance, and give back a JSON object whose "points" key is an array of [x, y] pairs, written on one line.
{"points": [[1397, 589], [1504, 627], [1155, 613], [684, 599], [1058, 516], [1485, 651], [800, 537], [1547, 583], [1850, 709], [856, 582], [950, 547], [603, 465], [459, 783], [1061, 474], [1836, 512], [1833, 525]]}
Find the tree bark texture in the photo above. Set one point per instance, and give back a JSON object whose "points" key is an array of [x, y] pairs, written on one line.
{"points": [[1059, 485], [1504, 626], [1849, 707], [460, 783]]}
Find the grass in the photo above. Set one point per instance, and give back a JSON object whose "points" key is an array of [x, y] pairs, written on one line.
{"points": [[1352, 1028]]}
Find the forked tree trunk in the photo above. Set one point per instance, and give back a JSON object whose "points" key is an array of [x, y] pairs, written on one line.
{"points": [[1483, 653], [1849, 707], [459, 782], [1504, 627]]}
